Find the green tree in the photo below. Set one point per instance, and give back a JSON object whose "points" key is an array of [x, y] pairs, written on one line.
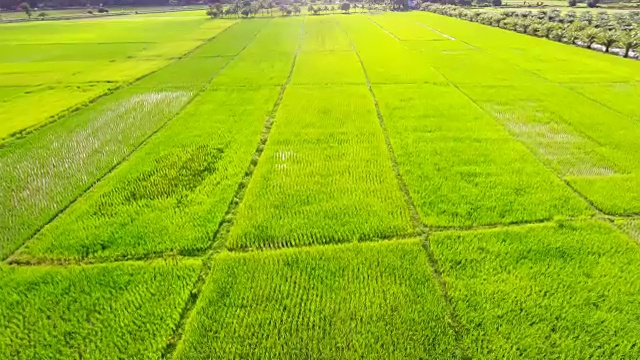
{"points": [[26, 8], [589, 36], [628, 41], [607, 39]]}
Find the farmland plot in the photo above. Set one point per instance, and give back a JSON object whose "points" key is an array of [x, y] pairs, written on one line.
{"points": [[573, 135], [566, 290], [386, 59], [189, 170], [491, 179], [284, 170], [19, 113], [72, 61], [325, 175], [346, 301], [112, 311], [551, 60], [275, 47], [56, 164]]}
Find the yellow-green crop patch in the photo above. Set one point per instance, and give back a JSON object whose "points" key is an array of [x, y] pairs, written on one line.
{"points": [[125, 310], [325, 175], [37, 106], [565, 290], [7, 92], [347, 301], [190, 170]]}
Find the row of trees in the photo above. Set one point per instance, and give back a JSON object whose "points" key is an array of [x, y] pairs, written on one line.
{"points": [[568, 28], [252, 8]]}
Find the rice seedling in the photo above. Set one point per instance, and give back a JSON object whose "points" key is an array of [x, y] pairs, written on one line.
{"points": [[491, 179], [325, 175], [189, 170], [347, 301], [563, 290], [125, 310]]}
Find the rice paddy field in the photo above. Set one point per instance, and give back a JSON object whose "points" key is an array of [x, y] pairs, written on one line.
{"points": [[372, 185]]}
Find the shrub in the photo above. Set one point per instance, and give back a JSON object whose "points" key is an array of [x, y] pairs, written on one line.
{"points": [[573, 3], [103, 10]]}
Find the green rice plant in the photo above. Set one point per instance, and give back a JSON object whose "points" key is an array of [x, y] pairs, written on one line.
{"points": [[120, 71], [621, 97], [565, 290], [348, 301], [8, 92], [444, 45], [188, 73], [189, 170], [41, 72], [475, 67], [124, 310], [267, 61], [386, 59], [461, 167], [51, 168], [39, 105], [325, 175], [631, 227], [328, 68], [166, 50], [545, 133], [403, 28], [551, 60], [63, 52], [116, 30], [45, 172], [591, 155], [323, 33], [226, 43]]}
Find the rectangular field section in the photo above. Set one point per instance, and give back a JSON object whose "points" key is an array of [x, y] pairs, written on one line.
{"points": [[325, 175], [353, 301], [461, 167], [566, 290], [117, 311], [172, 194]]}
